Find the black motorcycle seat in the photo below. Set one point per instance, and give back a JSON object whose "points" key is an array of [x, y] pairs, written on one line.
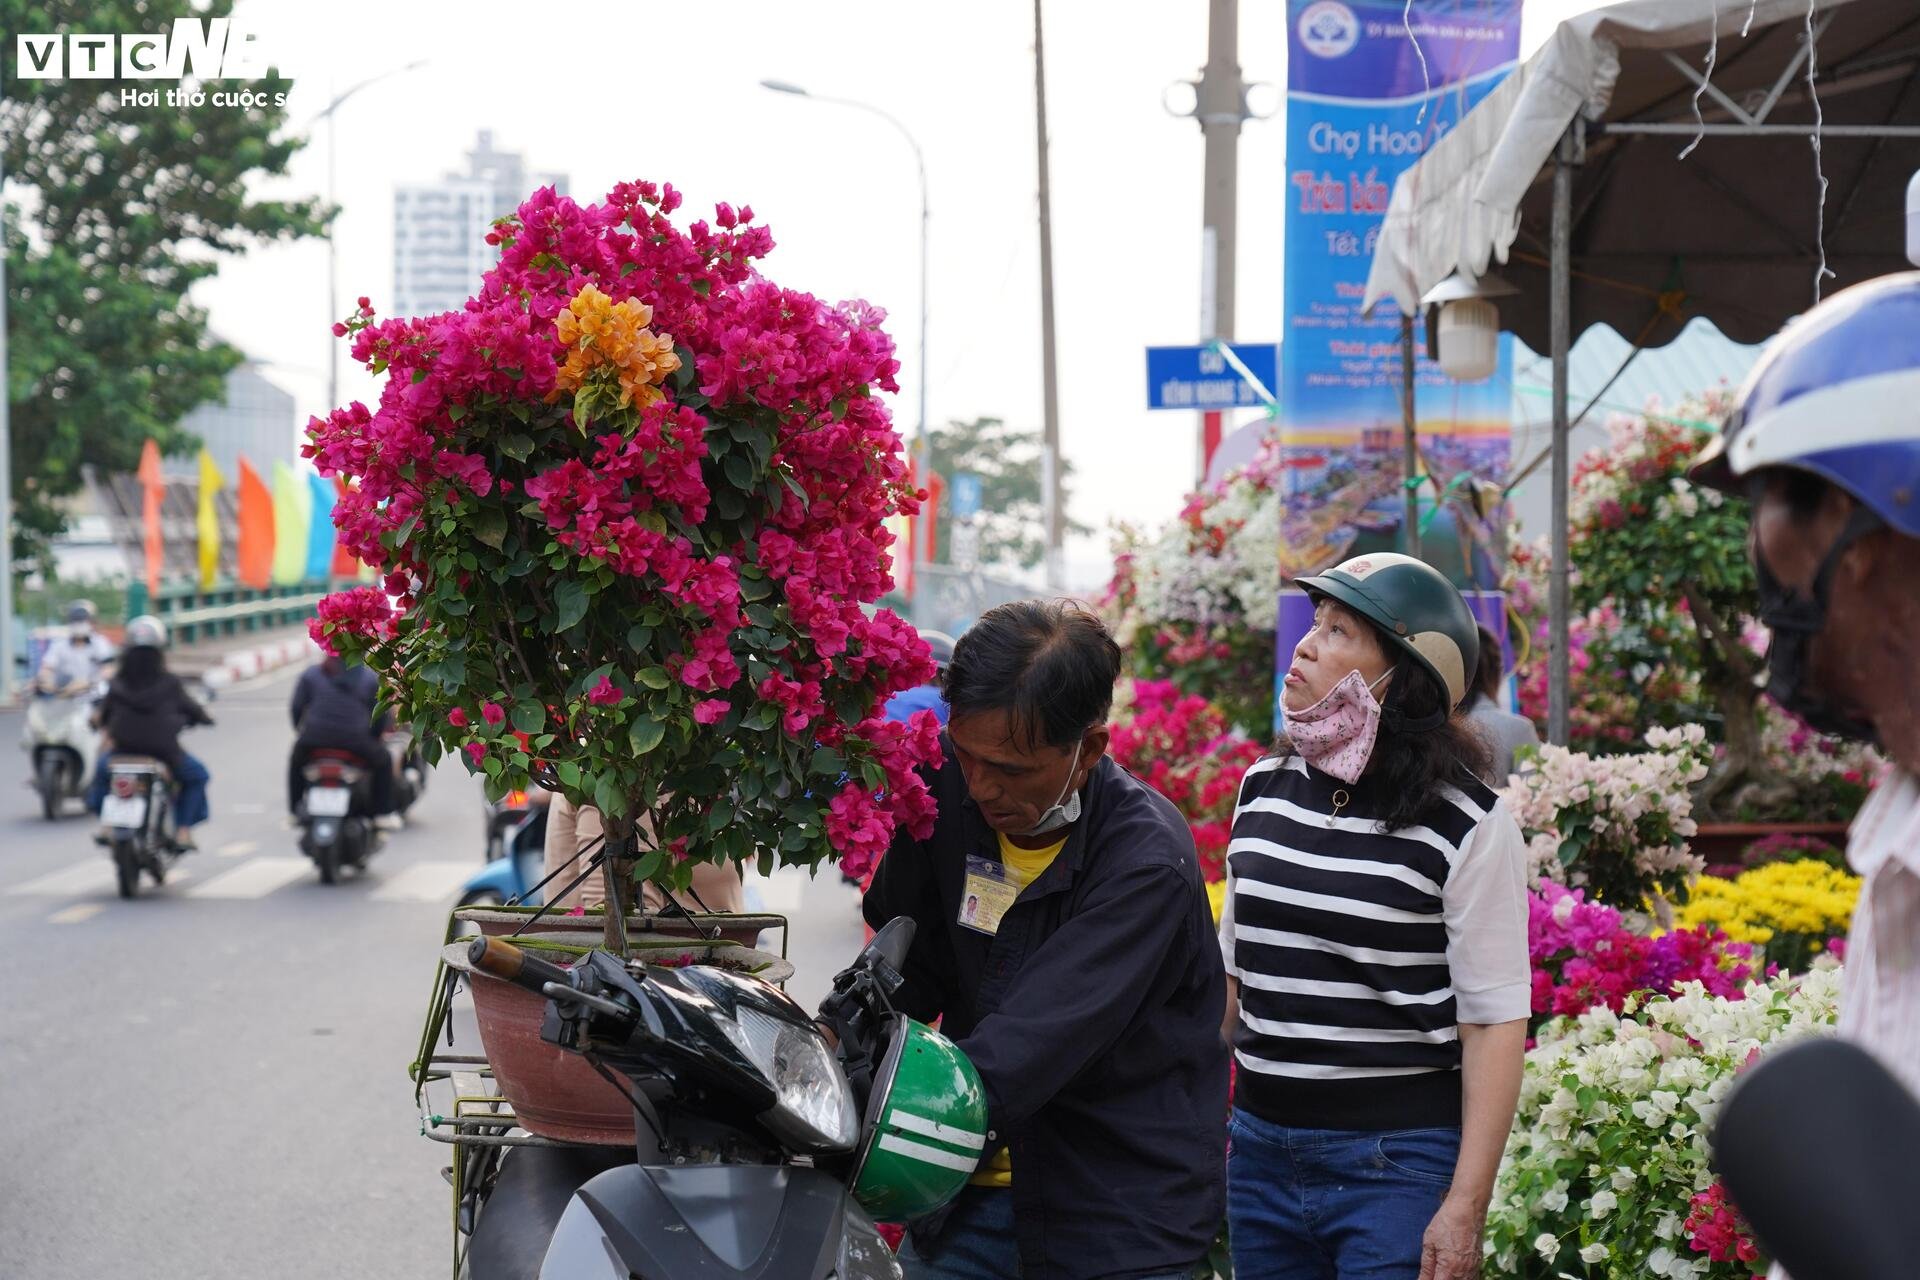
{"points": [[533, 1190]]}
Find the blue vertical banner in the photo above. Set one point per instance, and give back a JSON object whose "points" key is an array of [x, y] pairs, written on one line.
{"points": [[1371, 86]]}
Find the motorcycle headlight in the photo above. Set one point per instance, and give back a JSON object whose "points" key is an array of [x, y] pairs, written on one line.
{"points": [[815, 1108]]}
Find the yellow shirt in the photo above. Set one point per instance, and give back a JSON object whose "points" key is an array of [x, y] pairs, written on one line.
{"points": [[1023, 868]]}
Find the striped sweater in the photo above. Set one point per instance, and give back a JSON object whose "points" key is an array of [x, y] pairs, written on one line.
{"points": [[1360, 951]]}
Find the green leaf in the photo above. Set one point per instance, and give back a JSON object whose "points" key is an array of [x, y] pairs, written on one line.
{"points": [[570, 600], [826, 763], [754, 586], [703, 287], [739, 471], [607, 796], [489, 524], [528, 717], [653, 677], [569, 773], [762, 717], [649, 864], [644, 734], [492, 765], [639, 636], [516, 445], [456, 411]]}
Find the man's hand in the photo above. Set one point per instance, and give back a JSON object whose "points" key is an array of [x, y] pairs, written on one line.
{"points": [[1451, 1248]]}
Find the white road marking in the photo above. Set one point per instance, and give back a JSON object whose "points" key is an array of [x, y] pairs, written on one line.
{"points": [[249, 808], [255, 878], [82, 879], [426, 882], [78, 913], [238, 849]]}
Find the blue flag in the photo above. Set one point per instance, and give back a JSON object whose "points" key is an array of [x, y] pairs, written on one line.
{"points": [[321, 534]]}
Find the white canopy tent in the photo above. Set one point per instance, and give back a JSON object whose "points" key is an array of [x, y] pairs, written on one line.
{"points": [[1659, 160]]}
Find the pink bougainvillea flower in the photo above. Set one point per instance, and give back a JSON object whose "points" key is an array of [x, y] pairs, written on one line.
{"points": [[476, 752], [492, 714], [711, 711], [457, 718], [606, 694]]}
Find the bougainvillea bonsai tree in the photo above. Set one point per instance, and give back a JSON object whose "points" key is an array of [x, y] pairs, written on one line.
{"points": [[628, 505]]}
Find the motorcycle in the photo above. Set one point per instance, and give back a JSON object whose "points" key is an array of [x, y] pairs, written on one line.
{"points": [[751, 1154], [502, 816], [510, 877], [411, 782], [136, 817], [335, 814], [62, 744]]}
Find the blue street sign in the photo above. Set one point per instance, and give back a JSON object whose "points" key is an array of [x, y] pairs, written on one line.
{"points": [[965, 495], [1200, 378]]}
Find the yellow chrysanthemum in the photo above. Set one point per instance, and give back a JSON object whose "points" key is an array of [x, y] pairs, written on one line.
{"points": [[1217, 896], [599, 332], [1801, 902]]}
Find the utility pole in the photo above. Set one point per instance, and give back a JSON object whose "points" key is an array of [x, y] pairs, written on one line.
{"points": [[1220, 104], [1410, 422], [6, 481], [1049, 375]]}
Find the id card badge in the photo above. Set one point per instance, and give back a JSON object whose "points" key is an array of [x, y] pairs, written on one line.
{"points": [[988, 894]]}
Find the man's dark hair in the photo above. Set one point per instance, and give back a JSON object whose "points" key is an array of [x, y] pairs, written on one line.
{"points": [[1049, 664], [1487, 680]]}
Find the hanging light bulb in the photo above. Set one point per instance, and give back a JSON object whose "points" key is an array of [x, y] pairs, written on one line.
{"points": [[1467, 330]]}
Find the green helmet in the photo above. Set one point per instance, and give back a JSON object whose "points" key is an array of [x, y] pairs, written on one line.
{"points": [[926, 1126], [1415, 608]]}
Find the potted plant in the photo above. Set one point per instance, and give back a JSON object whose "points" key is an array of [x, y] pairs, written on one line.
{"points": [[628, 505]]}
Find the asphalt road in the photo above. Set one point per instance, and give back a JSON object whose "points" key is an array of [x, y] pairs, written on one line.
{"points": [[210, 1081]]}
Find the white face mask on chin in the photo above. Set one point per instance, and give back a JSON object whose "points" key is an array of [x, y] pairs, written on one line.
{"points": [[1065, 811]]}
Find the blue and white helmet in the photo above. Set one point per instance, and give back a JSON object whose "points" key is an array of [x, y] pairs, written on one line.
{"points": [[1837, 394]]}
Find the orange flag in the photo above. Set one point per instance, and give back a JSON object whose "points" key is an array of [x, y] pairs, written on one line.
{"points": [[345, 563], [153, 488], [255, 551]]}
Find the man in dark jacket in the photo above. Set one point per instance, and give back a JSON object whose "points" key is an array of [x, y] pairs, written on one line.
{"points": [[1065, 939], [143, 713], [334, 709]]}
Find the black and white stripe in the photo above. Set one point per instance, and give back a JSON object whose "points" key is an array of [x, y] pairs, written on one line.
{"points": [[1338, 932]]}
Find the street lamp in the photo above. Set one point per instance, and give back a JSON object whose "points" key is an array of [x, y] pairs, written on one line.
{"points": [[923, 537], [333, 315]]}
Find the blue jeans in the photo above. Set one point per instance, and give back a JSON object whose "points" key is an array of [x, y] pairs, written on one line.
{"points": [[190, 780], [978, 1242], [1318, 1204]]}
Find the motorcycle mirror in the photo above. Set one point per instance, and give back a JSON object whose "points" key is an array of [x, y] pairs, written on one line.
{"points": [[1816, 1146], [890, 945]]}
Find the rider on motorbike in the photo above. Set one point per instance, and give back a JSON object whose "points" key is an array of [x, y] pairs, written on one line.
{"points": [[76, 664], [334, 709], [145, 708]]}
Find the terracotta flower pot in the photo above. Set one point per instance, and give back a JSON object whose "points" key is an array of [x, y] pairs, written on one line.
{"points": [[553, 1093], [744, 930]]}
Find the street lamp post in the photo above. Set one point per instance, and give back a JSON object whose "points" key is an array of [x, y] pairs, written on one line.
{"points": [[923, 536], [333, 313]]}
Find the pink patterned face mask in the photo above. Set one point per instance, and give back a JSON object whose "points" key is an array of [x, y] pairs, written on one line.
{"points": [[1335, 735]]}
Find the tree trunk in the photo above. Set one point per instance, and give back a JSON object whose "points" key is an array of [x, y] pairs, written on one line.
{"points": [[618, 870], [1742, 776]]}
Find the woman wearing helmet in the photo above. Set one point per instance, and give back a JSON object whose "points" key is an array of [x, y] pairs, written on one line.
{"points": [[1375, 936], [1824, 440], [144, 710]]}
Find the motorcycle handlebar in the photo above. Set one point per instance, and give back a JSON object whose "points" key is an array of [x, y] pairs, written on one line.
{"points": [[498, 958]]}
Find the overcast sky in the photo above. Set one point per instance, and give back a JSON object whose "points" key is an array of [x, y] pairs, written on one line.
{"points": [[605, 91]]}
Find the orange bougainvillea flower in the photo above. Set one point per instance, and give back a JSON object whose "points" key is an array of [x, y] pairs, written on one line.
{"points": [[600, 333]]}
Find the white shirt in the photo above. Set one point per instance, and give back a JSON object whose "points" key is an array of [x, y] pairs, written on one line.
{"points": [[1880, 997], [66, 663]]}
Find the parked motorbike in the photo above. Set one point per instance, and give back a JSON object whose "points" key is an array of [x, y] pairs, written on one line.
{"points": [[510, 877], [336, 813], [751, 1156], [137, 818], [61, 744], [502, 816]]}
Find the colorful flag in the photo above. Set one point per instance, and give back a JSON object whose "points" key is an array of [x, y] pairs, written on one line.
{"points": [[211, 483], [153, 489], [321, 534], [292, 516], [255, 551], [345, 563]]}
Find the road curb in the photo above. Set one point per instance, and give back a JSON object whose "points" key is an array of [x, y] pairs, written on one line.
{"points": [[245, 664]]}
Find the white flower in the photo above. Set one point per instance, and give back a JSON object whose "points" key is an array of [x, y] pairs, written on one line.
{"points": [[1547, 1245], [1624, 1179], [1661, 1261], [1594, 1253], [1602, 1204], [1554, 1201]]}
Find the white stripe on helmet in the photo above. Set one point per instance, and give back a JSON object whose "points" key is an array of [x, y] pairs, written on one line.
{"points": [[1878, 409]]}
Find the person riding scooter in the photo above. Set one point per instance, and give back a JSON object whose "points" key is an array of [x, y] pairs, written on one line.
{"points": [[335, 708], [145, 708], [77, 664]]}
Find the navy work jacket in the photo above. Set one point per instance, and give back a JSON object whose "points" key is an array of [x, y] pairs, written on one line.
{"points": [[1093, 1016]]}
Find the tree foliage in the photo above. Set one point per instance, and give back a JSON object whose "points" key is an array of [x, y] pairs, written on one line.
{"points": [[114, 211], [1012, 519]]}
